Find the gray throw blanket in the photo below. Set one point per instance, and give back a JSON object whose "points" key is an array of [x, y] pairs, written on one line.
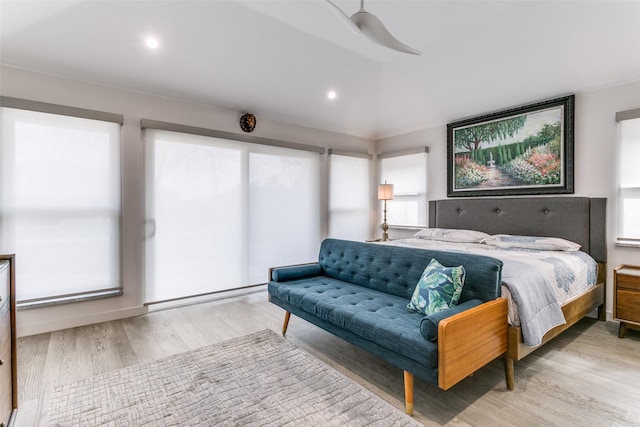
{"points": [[539, 281], [533, 294]]}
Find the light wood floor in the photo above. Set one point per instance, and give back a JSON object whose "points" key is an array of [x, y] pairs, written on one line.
{"points": [[585, 377]]}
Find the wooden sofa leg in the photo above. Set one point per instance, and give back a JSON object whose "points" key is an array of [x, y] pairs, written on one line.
{"points": [[508, 372], [408, 393], [287, 315]]}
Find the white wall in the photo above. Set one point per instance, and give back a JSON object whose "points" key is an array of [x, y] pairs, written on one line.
{"points": [[595, 159], [135, 106]]}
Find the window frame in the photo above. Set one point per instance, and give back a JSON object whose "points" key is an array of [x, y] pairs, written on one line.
{"points": [[366, 210], [624, 192], [78, 113], [248, 145], [419, 197]]}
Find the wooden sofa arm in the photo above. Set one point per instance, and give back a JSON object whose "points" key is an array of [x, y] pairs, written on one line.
{"points": [[469, 340]]}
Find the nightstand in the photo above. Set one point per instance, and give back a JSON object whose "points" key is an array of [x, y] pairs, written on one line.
{"points": [[626, 297]]}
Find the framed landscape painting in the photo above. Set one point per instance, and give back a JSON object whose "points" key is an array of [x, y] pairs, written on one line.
{"points": [[524, 150]]}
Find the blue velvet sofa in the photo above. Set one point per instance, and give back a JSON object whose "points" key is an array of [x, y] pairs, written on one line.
{"points": [[360, 291]]}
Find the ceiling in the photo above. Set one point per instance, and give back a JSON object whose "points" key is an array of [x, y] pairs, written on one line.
{"points": [[278, 59]]}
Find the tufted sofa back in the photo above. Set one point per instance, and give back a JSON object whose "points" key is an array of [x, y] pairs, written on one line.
{"points": [[396, 270]]}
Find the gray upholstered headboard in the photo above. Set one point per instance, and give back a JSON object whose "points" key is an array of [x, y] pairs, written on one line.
{"points": [[579, 219]]}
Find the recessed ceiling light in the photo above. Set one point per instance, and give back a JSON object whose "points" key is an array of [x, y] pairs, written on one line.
{"points": [[152, 42], [332, 94]]}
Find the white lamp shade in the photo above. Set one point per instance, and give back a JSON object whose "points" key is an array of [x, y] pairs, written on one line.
{"points": [[385, 192]]}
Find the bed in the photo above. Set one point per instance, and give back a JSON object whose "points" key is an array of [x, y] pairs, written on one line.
{"points": [[576, 219]]}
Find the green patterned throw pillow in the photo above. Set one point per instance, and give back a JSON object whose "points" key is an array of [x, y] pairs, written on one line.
{"points": [[438, 289]]}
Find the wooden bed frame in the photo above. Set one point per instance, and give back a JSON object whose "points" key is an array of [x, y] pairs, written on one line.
{"points": [[578, 219]]}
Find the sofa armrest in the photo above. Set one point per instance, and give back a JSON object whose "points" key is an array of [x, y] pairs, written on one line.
{"points": [[294, 272], [429, 324], [469, 340]]}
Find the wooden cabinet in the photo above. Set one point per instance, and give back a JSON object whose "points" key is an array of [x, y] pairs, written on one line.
{"points": [[8, 363], [626, 297]]}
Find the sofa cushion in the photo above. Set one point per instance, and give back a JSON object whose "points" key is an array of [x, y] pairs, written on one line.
{"points": [[429, 324], [438, 289], [376, 316]]}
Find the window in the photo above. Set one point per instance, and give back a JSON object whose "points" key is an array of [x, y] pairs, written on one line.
{"points": [[284, 208], [60, 203], [408, 174], [194, 209], [629, 181], [221, 212], [349, 195]]}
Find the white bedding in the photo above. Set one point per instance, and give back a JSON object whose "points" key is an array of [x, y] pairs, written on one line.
{"points": [[530, 276]]}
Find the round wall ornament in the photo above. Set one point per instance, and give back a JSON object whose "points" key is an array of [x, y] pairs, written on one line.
{"points": [[248, 122]]}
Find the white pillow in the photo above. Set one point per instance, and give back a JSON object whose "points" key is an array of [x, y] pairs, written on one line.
{"points": [[451, 235], [531, 242]]}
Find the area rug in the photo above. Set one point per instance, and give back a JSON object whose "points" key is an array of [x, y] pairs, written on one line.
{"points": [[256, 380]]}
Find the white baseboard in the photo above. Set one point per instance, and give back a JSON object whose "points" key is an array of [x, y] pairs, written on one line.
{"points": [[206, 298], [73, 322], [608, 315]]}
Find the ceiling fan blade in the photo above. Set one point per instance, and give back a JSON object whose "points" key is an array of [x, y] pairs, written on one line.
{"points": [[345, 18], [375, 30]]}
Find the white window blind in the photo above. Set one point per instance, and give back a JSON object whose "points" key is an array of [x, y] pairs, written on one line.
{"points": [[284, 208], [349, 197], [221, 212], [60, 203], [195, 201], [629, 180], [408, 174]]}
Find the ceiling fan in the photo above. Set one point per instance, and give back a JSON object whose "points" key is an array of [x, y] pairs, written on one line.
{"points": [[363, 22]]}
